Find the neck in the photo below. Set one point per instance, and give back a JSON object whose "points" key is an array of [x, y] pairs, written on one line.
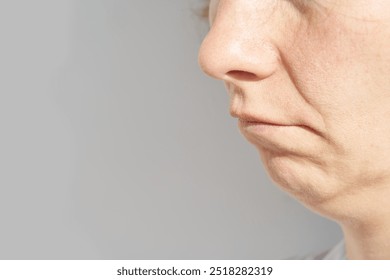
{"points": [[367, 230], [366, 225], [367, 241], [364, 217]]}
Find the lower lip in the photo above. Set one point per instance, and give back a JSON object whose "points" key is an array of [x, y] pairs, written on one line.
{"points": [[291, 138]]}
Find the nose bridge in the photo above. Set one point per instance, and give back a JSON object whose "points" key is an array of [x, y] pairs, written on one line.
{"points": [[239, 41]]}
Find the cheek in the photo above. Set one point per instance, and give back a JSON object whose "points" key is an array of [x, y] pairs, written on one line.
{"points": [[341, 74], [356, 113], [341, 61], [341, 77]]}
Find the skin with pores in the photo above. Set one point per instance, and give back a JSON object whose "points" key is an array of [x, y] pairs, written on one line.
{"points": [[320, 71]]}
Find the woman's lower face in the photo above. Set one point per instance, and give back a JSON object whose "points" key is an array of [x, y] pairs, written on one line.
{"points": [[310, 86]]}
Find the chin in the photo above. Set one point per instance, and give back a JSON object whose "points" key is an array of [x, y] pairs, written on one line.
{"points": [[298, 176]]}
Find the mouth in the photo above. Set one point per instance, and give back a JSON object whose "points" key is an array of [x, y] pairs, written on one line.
{"points": [[261, 129], [262, 125], [276, 136], [247, 123]]}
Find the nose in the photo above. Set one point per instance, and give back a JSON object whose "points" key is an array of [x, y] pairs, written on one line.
{"points": [[237, 48]]}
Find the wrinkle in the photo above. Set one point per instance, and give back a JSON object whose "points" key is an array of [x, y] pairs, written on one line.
{"points": [[289, 71]]}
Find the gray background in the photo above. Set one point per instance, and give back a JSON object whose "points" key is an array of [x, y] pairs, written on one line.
{"points": [[114, 145]]}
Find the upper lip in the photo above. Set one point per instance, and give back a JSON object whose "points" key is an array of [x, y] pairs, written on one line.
{"points": [[249, 118], [262, 121]]}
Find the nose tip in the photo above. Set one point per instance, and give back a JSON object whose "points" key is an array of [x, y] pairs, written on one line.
{"points": [[209, 59], [226, 56]]}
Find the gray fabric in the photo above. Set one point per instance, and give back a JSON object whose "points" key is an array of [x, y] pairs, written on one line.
{"points": [[335, 253]]}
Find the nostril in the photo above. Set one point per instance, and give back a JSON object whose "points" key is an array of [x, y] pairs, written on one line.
{"points": [[243, 75]]}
